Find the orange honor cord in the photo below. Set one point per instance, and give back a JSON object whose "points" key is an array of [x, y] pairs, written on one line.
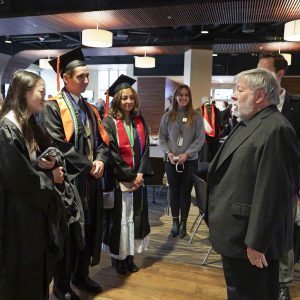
{"points": [[106, 104], [58, 74]]}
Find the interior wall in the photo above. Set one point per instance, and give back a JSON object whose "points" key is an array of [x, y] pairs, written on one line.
{"points": [[151, 92], [291, 84]]}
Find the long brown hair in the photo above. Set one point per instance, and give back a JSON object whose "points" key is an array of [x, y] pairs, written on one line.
{"points": [[190, 112], [22, 82], [116, 111]]}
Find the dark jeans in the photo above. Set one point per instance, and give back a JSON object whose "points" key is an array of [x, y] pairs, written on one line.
{"points": [[180, 187], [247, 282]]}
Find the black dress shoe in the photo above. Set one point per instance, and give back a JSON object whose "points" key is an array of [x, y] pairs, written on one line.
{"points": [[121, 266], [131, 266], [65, 295], [284, 293], [88, 285]]}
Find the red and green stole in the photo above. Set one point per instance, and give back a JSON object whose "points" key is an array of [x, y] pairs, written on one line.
{"points": [[124, 144]]}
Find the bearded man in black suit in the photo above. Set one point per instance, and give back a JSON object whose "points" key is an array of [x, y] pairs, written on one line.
{"points": [[251, 183]]}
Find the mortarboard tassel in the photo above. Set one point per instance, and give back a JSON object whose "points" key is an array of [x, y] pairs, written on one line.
{"points": [[106, 104], [58, 73]]}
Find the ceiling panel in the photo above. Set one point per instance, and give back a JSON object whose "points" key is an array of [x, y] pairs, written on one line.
{"points": [[156, 27]]}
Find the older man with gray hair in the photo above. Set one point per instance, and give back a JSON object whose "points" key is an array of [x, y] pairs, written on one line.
{"points": [[251, 182]]}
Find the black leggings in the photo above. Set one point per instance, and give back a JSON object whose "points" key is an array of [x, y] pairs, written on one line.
{"points": [[180, 187]]}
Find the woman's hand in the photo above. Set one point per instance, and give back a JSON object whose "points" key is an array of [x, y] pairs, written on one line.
{"points": [[47, 164], [58, 175], [139, 179], [183, 158], [138, 182], [170, 157]]}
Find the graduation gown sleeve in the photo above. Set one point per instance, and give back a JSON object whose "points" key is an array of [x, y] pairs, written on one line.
{"points": [[17, 173]]}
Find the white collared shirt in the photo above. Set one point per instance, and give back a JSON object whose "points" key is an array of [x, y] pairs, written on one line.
{"points": [[281, 100], [76, 98]]}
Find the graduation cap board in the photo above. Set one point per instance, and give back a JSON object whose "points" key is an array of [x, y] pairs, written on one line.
{"points": [[123, 82], [67, 61]]}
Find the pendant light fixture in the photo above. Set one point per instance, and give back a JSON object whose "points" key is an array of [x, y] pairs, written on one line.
{"points": [[292, 31], [97, 38], [287, 56], [44, 63], [145, 62]]}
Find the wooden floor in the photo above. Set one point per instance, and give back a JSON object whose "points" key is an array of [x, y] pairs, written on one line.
{"points": [[171, 268]]}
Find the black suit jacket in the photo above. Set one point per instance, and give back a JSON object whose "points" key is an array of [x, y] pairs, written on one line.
{"points": [[251, 182], [291, 110]]}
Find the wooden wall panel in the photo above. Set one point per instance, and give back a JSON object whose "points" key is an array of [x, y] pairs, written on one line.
{"points": [[153, 94], [291, 84], [151, 91]]}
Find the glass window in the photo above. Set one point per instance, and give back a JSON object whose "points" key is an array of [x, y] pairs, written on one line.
{"points": [[107, 77], [113, 76]]}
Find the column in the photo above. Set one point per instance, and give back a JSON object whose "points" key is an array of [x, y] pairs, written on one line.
{"points": [[198, 73]]}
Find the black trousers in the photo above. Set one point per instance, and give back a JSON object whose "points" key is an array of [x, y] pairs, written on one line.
{"points": [[180, 187], [247, 282], [74, 264]]}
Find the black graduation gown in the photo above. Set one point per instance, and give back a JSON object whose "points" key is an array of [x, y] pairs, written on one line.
{"points": [[27, 201], [123, 172], [78, 168]]}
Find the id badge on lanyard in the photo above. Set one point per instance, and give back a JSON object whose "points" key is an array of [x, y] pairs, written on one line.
{"points": [[180, 141], [180, 137]]}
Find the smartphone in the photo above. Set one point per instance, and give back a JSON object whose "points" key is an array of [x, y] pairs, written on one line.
{"points": [[48, 153]]}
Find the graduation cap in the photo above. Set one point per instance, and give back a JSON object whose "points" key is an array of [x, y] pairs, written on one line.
{"points": [[123, 82], [67, 62]]}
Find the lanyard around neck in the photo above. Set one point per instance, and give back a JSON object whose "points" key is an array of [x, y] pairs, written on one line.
{"points": [[129, 132], [79, 107]]}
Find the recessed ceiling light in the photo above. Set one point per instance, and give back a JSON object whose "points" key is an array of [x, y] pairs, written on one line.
{"points": [[215, 54], [8, 41], [204, 31]]}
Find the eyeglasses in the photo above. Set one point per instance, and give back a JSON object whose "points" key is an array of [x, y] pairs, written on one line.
{"points": [[126, 98]]}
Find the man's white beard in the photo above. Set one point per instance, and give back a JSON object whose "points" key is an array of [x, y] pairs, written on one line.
{"points": [[246, 111]]}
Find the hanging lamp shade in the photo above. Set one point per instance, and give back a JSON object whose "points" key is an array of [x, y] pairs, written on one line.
{"points": [[98, 38], [288, 57], [292, 31], [44, 63], [146, 62]]}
